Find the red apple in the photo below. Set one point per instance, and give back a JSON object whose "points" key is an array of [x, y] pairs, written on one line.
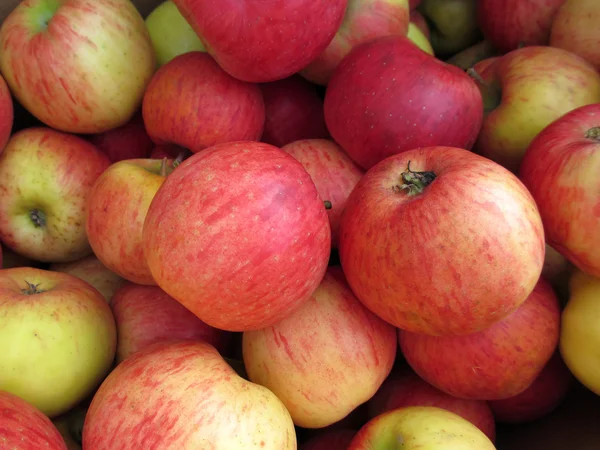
{"points": [[264, 40], [293, 111], [146, 314], [239, 235], [184, 395], [332, 171], [7, 113], [24, 427], [129, 141], [405, 388], [509, 24], [329, 440], [493, 364], [389, 96], [193, 103], [542, 397], [321, 384], [413, 4], [560, 169], [441, 241]]}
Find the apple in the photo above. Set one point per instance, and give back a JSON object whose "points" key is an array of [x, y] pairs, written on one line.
{"points": [[420, 428], [79, 66], [332, 171], [70, 425], [318, 383], [559, 169], [170, 33], [526, 90], [364, 20], [417, 19], [146, 314], [59, 337], [452, 24], [293, 111], [129, 141], [193, 103], [580, 332], [470, 238], [388, 96], [511, 24], [24, 427], [541, 398], [329, 440], [413, 4], [239, 235], [405, 388], [7, 113], [169, 151], [45, 180], [416, 35], [12, 259], [264, 40], [184, 395], [493, 364], [470, 57]]}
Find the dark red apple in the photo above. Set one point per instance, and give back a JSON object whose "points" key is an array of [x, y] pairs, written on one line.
{"points": [[7, 113], [329, 440]]}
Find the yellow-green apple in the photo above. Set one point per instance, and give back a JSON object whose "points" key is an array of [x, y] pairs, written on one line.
{"points": [[326, 358], [580, 330], [452, 24], [420, 428], [7, 113], [493, 364], [417, 19], [128, 141], [239, 235], [79, 66], [510, 24], [560, 169], [388, 96], [405, 388], [170, 33], [364, 20], [293, 111], [264, 40], [184, 395], [466, 228], [146, 314], [416, 35], [116, 209], [58, 336], [542, 397], [25, 427], [91, 269], [193, 103], [524, 91], [332, 171], [329, 440], [574, 28], [45, 180]]}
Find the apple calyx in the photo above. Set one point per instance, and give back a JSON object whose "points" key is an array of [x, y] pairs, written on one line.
{"points": [[327, 204], [414, 182], [37, 217], [593, 133], [31, 289]]}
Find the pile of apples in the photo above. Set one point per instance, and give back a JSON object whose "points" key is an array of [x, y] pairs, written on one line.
{"points": [[300, 224]]}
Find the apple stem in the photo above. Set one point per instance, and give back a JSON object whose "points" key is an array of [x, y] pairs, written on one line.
{"points": [[31, 288], [593, 133], [414, 182], [163, 167], [327, 204], [38, 218], [179, 159], [473, 74]]}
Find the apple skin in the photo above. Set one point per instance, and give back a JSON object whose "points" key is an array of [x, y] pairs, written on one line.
{"points": [[91, 269], [476, 274], [62, 335], [193, 103], [170, 33], [380, 101], [239, 235], [117, 208], [332, 171], [203, 403], [293, 111], [405, 388], [45, 180], [508, 24], [264, 40], [7, 113], [541, 398], [560, 170], [493, 364], [364, 20], [24, 427], [420, 428], [525, 91], [106, 62], [320, 384], [418, 20], [329, 440], [416, 35], [146, 314]]}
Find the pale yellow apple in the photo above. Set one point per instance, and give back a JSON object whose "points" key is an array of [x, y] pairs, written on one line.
{"points": [[416, 35]]}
